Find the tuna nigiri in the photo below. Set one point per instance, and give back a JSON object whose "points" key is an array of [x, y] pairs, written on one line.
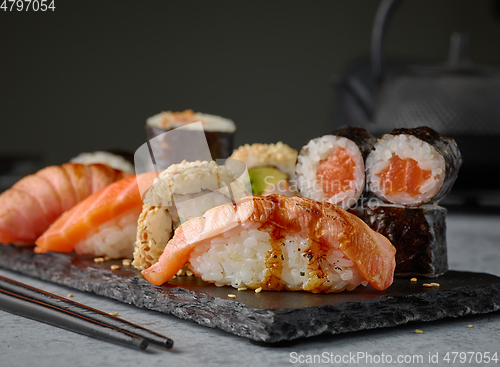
{"points": [[104, 224], [34, 202], [278, 242]]}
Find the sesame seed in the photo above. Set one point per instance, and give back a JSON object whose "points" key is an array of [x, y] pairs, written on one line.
{"points": [[469, 326], [179, 273], [189, 273], [427, 285], [231, 295], [115, 267], [126, 262], [70, 295], [434, 284], [258, 290], [99, 259], [242, 289], [417, 331], [113, 314], [413, 280]]}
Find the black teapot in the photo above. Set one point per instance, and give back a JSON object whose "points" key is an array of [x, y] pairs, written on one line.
{"points": [[456, 98]]}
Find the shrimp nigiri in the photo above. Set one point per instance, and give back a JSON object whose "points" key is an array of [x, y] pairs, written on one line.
{"points": [[104, 224], [278, 242], [32, 204]]}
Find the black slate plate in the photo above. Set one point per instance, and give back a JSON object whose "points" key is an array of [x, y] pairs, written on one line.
{"points": [[267, 317]]}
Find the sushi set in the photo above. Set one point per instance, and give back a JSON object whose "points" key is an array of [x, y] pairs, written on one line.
{"points": [[266, 317], [304, 243]]}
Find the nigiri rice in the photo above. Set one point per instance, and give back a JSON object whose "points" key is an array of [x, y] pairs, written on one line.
{"points": [[242, 258]]}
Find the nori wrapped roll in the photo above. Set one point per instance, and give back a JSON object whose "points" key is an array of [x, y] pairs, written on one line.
{"points": [[413, 166], [418, 234]]}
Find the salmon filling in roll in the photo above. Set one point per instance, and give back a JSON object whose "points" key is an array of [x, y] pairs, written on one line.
{"points": [[338, 169], [331, 169], [404, 175]]}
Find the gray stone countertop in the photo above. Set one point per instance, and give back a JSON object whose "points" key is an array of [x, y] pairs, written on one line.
{"points": [[473, 245]]}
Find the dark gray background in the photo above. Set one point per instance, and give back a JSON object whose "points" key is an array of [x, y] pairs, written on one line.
{"points": [[86, 76]]}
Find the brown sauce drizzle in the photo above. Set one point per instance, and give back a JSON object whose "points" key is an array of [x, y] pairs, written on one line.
{"points": [[316, 254], [274, 258], [318, 276]]}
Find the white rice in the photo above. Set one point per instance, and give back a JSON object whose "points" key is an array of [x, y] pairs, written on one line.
{"points": [[405, 146], [112, 160], [172, 120], [310, 157], [115, 238], [238, 258]]}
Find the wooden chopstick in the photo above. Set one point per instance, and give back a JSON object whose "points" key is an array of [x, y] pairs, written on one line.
{"points": [[29, 301]]}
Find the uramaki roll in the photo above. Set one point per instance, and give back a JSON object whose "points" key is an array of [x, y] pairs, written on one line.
{"points": [[271, 167], [331, 168], [413, 166]]}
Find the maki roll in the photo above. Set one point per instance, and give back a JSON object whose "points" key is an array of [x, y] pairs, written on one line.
{"points": [[417, 233], [169, 149], [413, 166], [182, 192], [331, 168], [271, 167]]}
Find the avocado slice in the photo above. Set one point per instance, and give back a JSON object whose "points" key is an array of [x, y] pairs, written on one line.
{"points": [[263, 177]]}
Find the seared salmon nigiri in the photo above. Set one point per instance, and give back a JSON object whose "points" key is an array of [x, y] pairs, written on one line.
{"points": [[278, 242]]}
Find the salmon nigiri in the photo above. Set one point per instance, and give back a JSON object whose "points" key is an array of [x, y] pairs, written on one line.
{"points": [[104, 224], [278, 242], [32, 204]]}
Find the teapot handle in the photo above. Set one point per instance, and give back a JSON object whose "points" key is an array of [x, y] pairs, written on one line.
{"points": [[384, 13]]}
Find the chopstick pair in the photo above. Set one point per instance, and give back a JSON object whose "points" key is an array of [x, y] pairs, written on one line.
{"points": [[39, 305]]}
